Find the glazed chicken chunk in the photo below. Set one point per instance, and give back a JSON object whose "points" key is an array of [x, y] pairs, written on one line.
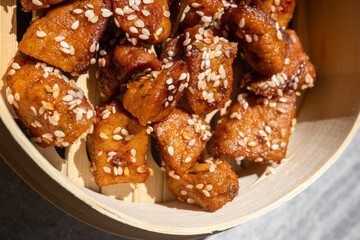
{"points": [[118, 66], [30, 5], [280, 10], [147, 20], [52, 108], [209, 184], [68, 35], [181, 138], [298, 73], [209, 61], [155, 95], [262, 41], [256, 128], [118, 147]]}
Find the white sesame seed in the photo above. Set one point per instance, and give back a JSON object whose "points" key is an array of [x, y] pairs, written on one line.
{"points": [[119, 11], [107, 169], [65, 50], [11, 72], [37, 2], [124, 132], [41, 34], [133, 152], [183, 192], [131, 17], [252, 144], [139, 23], [171, 150], [143, 37], [106, 13], [187, 160], [145, 12], [206, 193], [242, 23], [64, 44], [75, 25], [59, 133], [48, 136], [117, 137], [212, 168], [167, 14], [208, 187], [68, 98], [78, 11], [59, 38], [133, 29], [199, 186], [190, 200], [279, 35], [159, 31]]}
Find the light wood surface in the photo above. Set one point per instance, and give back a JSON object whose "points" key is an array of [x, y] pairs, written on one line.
{"points": [[327, 119]]}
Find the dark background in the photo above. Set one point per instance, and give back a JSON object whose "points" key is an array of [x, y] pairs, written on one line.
{"points": [[328, 209]]}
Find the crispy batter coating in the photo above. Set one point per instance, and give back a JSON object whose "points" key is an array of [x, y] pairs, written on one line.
{"points": [[298, 73], [143, 20], [181, 138], [68, 34], [256, 128], [202, 12], [155, 95], [210, 61], [30, 5], [173, 48], [118, 147], [52, 108], [280, 10], [210, 185], [120, 64], [262, 42]]}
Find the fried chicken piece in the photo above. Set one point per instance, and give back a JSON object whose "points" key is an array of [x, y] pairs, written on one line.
{"points": [[298, 73], [280, 10], [30, 5], [263, 43], [155, 95], [148, 21], [203, 12], [118, 147], [67, 36], [256, 128], [209, 60], [181, 138], [52, 108], [173, 48], [210, 185], [120, 64]]}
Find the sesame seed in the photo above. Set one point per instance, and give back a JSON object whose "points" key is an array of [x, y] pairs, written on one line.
{"points": [[59, 133], [41, 34], [145, 12], [159, 31], [75, 25], [77, 11], [143, 37], [208, 187], [37, 2], [68, 98], [206, 193], [48, 136], [104, 136], [189, 186], [171, 150], [133, 152], [190, 200], [59, 38], [119, 11], [139, 23], [167, 14], [279, 35], [199, 186], [65, 50], [11, 72], [124, 132], [212, 168], [131, 17], [133, 29], [248, 38], [187, 160], [117, 137], [274, 146], [268, 129], [107, 169], [106, 13], [277, 2], [183, 192], [252, 144]]}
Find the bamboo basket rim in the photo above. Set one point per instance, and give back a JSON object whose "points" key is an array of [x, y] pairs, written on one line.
{"points": [[80, 192], [73, 188]]}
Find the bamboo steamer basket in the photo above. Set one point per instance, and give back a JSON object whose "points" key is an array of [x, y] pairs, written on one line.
{"points": [[328, 117]]}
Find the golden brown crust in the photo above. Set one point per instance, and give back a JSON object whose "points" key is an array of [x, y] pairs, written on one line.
{"points": [[51, 107], [298, 73], [210, 61], [280, 10], [263, 43], [155, 95], [211, 10], [30, 5], [65, 37], [120, 64], [173, 48], [148, 22], [181, 138], [210, 185], [118, 147], [255, 128]]}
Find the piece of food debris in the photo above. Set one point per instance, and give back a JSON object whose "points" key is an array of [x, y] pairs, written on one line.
{"points": [[30, 5]]}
